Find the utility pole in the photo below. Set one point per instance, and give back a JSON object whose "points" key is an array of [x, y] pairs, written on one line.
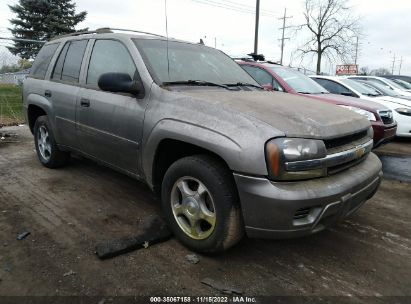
{"points": [[399, 70], [393, 64], [283, 32], [257, 18], [356, 52]]}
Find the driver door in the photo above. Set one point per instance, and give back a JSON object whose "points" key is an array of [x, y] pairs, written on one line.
{"points": [[110, 125]]}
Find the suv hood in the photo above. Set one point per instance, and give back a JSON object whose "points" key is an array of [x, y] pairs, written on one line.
{"points": [[295, 116]]}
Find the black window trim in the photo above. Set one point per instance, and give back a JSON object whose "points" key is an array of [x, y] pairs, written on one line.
{"points": [[87, 65], [76, 84]]}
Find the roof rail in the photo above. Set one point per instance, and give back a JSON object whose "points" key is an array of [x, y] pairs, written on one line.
{"points": [[127, 30], [97, 31], [104, 30]]}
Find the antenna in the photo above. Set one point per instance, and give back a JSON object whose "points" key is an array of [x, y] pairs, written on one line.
{"points": [[168, 60]]}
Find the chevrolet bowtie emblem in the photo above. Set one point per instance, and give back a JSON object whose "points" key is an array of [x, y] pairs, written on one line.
{"points": [[360, 152]]}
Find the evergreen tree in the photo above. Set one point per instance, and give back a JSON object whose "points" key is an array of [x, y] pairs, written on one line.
{"points": [[41, 20]]}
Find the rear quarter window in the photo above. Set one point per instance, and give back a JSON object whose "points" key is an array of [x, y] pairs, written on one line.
{"points": [[42, 61]]}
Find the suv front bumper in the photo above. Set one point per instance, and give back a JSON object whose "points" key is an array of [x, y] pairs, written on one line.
{"points": [[292, 209]]}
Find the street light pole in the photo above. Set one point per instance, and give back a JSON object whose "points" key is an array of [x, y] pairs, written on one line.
{"points": [[257, 17]]}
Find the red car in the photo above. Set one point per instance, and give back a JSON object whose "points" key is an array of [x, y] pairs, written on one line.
{"points": [[279, 78]]}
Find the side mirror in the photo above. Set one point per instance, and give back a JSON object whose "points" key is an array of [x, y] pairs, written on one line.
{"points": [[120, 82]]}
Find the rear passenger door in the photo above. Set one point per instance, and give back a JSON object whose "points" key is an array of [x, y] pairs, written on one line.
{"points": [[63, 89], [110, 124]]}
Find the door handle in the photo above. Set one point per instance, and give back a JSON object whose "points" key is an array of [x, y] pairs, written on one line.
{"points": [[47, 93], [85, 102]]}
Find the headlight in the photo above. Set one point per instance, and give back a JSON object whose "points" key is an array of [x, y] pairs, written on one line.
{"points": [[280, 151], [370, 116], [404, 111]]}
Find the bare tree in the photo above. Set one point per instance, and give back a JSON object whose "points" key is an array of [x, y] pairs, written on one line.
{"points": [[364, 70], [332, 29], [380, 72]]}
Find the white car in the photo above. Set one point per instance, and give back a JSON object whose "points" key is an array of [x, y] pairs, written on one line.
{"points": [[384, 81], [401, 108]]}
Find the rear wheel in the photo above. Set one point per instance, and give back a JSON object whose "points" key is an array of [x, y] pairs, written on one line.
{"points": [[46, 147], [201, 204]]}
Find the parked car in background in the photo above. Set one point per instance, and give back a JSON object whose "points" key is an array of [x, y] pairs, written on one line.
{"points": [[402, 83], [401, 108], [279, 78], [402, 77], [383, 90], [384, 81], [188, 121]]}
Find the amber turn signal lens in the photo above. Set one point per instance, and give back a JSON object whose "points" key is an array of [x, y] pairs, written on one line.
{"points": [[273, 157]]}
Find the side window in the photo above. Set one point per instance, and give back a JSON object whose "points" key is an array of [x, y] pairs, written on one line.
{"points": [[42, 61], [109, 56], [261, 76], [72, 62], [58, 68], [331, 86]]}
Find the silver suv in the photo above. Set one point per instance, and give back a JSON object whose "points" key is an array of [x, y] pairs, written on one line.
{"points": [[225, 156]]}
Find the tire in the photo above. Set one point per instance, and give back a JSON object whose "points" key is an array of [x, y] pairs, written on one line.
{"points": [[216, 213], [47, 151]]}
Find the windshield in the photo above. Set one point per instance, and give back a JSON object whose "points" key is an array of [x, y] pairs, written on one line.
{"points": [[298, 81], [189, 62], [393, 84], [362, 89], [403, 83], [380, 88]]}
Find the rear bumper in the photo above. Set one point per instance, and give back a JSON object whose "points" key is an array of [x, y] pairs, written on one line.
{"points": [[286, 210], [383, 133]]}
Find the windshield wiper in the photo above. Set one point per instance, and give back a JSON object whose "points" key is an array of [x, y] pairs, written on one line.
{"points": [[372, 95], [243, 84], [196, 83]]}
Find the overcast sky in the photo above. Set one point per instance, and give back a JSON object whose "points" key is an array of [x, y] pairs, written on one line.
{"points": [[386, 26]]}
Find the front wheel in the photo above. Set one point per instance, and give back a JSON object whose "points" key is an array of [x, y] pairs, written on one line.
{"points": [[47, 151], [201, 204]]}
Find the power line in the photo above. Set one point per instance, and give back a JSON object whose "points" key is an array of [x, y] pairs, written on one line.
{"points": [[22, 40], [247, 6], [230, 7], [283, 33]]}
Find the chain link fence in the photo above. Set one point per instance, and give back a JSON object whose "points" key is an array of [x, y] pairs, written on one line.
{"points": [[10, 88]]}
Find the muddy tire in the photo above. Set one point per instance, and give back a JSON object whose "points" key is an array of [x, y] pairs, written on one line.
{"points": [[201, 204], [47, 151]]}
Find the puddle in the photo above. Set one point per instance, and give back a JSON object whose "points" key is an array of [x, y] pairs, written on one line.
{"points": [[396, 168]]}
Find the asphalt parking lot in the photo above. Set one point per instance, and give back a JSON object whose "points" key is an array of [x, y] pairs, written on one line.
{"points": [[67, 211]]}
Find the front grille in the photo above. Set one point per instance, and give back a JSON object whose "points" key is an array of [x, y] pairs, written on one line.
{"points": [[335, 169], [386, 117], [345, 140]]}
